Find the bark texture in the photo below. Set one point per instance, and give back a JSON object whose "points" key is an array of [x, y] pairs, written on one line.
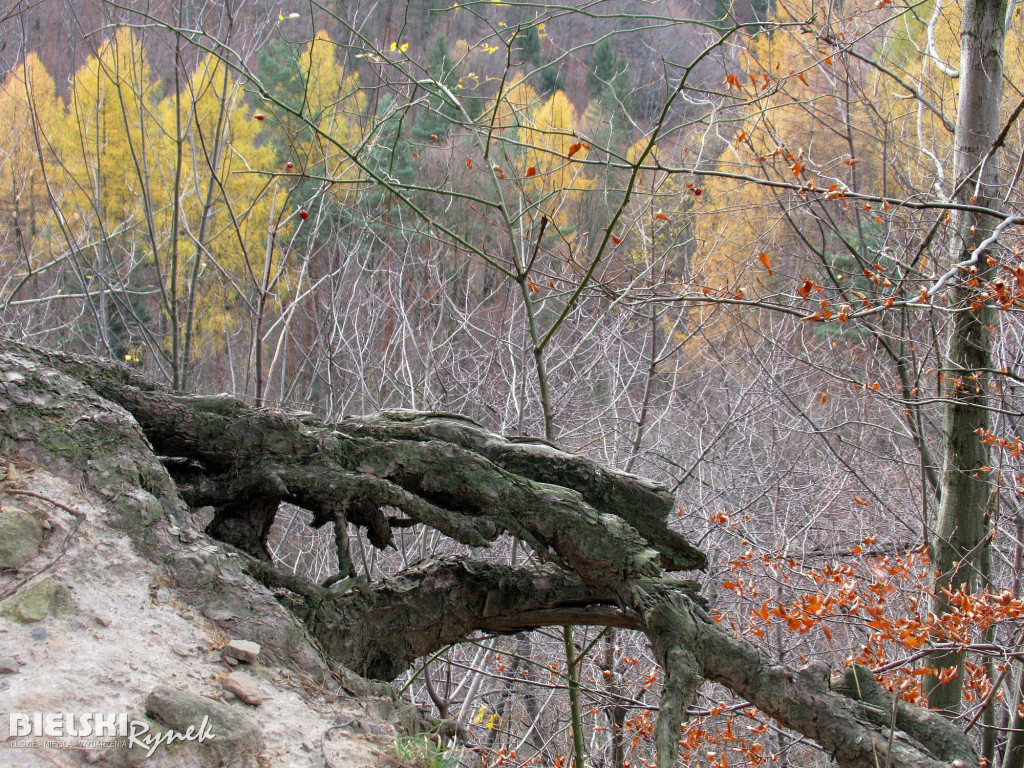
{"points": [[605, 534], [965, 487]]}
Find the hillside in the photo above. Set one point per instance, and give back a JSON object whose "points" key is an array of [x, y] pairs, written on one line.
{"points": [[115, 601]]}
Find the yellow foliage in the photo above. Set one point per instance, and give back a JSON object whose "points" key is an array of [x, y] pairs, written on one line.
{"points": [[338, 108], [226, 206], [110, 124], [515, 104], [798, 126], [551, 147], [34, 117]]}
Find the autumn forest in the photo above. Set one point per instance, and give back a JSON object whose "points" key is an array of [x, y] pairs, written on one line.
{"points": [[767, 254]]}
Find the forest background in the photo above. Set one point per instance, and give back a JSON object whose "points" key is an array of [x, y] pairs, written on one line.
{"points": [[728, 248]]}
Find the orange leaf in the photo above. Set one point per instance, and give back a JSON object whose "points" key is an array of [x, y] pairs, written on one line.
{"points": [[531, 171], [859, 500], [767, 261], [662, 216], [616, 240], [803, 79], [469, 162], [574, 148]]}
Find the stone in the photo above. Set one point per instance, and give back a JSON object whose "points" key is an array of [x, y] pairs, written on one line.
{"points": [[9, 666], [243, 650], [244, 687], [237, 737], [21, 536], [218, 613], [39, 599]]}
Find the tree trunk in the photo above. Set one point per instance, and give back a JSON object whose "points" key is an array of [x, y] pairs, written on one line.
{"points": [[965, 481], [433, 468]]}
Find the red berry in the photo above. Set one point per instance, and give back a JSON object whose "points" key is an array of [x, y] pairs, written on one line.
{"points": [[303, 214], [698, 191], [290, 165], [259, 115]]}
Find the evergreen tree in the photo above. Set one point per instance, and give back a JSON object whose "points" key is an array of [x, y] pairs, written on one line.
{"points": [[278, 63], [527, 44], [439, 114], [551, 80], [389, 156], [608, 79]]}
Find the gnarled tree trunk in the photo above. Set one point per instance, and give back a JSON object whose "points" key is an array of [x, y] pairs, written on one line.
{"points": [[604, 534]]}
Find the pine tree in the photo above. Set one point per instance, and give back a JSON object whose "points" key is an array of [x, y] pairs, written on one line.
{"points": [[389, 156], [437, 117], [527, 44], [550, 80], [608, 79]]}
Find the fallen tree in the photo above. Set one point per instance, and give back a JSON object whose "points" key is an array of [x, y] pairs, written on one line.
{"points": [[603, 535]]}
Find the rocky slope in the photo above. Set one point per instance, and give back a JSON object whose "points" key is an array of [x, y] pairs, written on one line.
{"points": [[91, 620]]}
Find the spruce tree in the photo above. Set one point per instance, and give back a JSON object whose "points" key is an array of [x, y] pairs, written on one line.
{"points": [[437, 116], [608, 79]]}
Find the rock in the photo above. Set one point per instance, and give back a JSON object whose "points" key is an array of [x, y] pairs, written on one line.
{"points": [[218, 613], [236, 735], [21, 535], [243, 650], [9, 666], [39, 599], [244, 687]]}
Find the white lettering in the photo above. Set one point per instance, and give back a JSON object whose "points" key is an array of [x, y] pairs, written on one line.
{"points": [[139, 735], [20, 724], [106, 724], [53, 725]]}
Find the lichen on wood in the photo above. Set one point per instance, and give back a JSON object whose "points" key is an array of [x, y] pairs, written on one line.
{"points": [[604, 534]]}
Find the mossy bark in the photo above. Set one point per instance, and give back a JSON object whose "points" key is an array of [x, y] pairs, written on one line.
{"points": [[605, 534]]}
